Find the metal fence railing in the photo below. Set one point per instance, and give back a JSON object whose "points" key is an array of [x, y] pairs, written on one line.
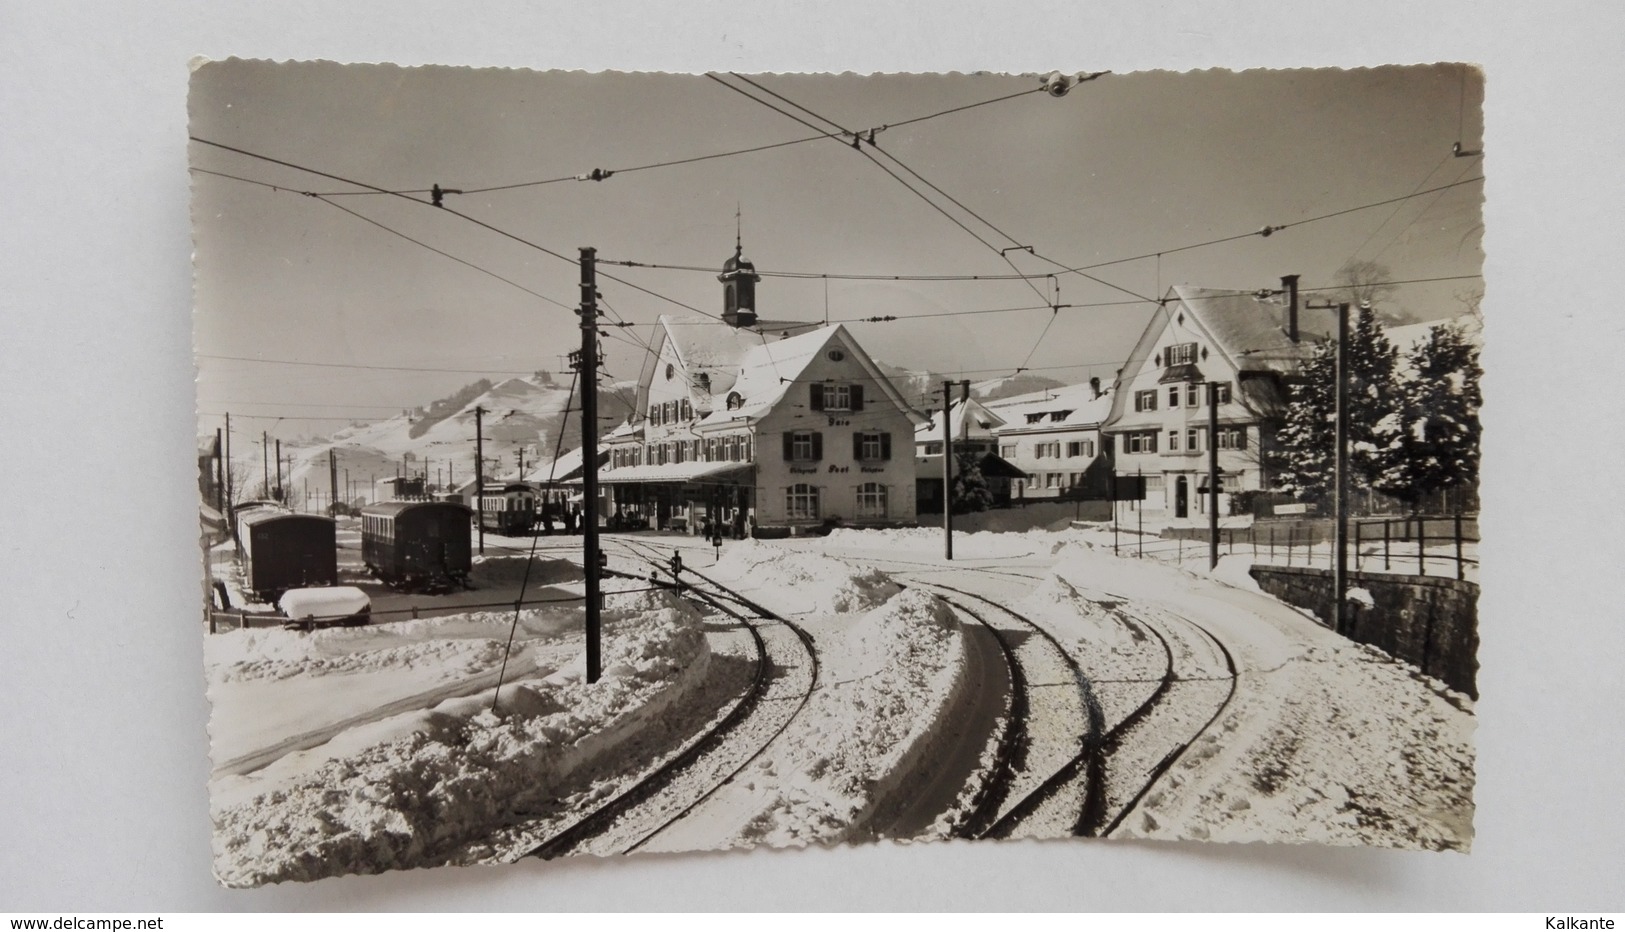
{"points": [[1426, 545]]}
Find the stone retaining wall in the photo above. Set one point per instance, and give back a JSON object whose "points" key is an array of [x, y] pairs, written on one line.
{"points": [[1429, 621]]}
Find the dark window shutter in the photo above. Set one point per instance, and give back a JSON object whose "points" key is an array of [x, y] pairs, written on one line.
{"points": [[818, 446], [857, 398], [857, 445], [789, 446], [816, 399], [885, 446]]}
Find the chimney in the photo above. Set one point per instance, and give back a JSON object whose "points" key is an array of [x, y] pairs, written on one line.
{"points": [[1289, 283], [1094, 386]]}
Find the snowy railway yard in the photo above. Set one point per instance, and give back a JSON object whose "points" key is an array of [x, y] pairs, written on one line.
{"points": [[816, 690]]}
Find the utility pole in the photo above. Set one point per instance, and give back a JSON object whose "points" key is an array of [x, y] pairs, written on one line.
{"points": [[1340, 581], [589, 453], [265, 462], [279, 496], [1340, 471], [521, 464], [948, 464], [332, 479], [479, 471], [219, 485], [1213, 474], [230, 499]]}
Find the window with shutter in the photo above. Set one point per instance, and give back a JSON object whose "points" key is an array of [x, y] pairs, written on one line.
{"points": [[857, 398], [817, 446], [885, 446], [816, 396], [789, 446]]}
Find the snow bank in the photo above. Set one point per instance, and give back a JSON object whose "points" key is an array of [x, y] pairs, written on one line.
{"points": [[886, 681], [408, 790], [978, 545], [814, 583]]}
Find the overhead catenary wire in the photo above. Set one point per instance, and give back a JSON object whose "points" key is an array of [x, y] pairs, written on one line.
{"points": [[857, 144], [668, 163]]}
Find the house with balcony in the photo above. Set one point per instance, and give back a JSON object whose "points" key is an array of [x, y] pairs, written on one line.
{"points": [[1240, 351]]}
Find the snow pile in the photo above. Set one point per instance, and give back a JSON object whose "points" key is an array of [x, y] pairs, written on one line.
{"points": [[1059, 601], [886, 682], [408, 790], [816, 583], [979, 545]]}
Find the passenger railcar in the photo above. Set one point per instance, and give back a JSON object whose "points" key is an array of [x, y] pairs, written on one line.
{"points": [[510, 509], [418, 545], [282, 550]]}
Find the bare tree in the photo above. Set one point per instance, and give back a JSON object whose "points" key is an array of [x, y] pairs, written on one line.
{"points": [[1363, 281]]}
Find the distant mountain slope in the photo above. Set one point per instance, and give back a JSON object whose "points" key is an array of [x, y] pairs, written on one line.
{"points": [[922, 387]]}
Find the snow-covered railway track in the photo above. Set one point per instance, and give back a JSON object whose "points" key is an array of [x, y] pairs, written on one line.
{"points": [[786, 675], [1134, 742], [1051, 775]]}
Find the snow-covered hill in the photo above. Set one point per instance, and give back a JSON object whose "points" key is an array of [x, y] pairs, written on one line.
{"points": [[918, 384]]}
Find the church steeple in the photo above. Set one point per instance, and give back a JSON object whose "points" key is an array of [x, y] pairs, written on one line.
{"points": [[739, 280]]}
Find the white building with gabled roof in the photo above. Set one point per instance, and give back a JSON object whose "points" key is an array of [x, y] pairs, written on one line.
{"points": [[1251, 347], [775, 426], [1054, 438]]}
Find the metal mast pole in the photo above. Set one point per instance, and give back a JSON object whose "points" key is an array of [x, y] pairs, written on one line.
{"points": [[1213, 474], [947, 472], [479, 472], [265, 462], [589, 453], [279, 495], [332, 479]]}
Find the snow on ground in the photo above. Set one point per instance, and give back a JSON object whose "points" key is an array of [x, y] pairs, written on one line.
{"points": [[407, 789], [890, 664], [1325, 741], [978, 545]]}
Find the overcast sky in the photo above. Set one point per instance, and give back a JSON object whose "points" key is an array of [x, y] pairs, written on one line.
{"points": [[1121, 166]]}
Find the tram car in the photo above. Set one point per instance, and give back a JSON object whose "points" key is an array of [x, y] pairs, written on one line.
{"points": [[418, 545], [510, 509], [282, 550]]}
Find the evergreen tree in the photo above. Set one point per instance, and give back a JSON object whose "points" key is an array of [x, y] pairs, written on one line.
{"points": [[1436, 444], [1302, 461], [970, 486], [1305, 460]]}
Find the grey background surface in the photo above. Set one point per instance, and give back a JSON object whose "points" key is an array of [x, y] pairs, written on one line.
{"points": [[104, 756]]}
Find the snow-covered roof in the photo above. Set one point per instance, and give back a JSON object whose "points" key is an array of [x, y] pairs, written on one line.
{"points": [[1253, 330], [567, 466], [767, 370], [970, 421], [1069, 406], [1409, 336], [668, 472], [715, 349]]}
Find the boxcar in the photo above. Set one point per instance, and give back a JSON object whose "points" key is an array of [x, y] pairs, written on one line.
{"points": [[282, 550], [418, 545], [509, 510]]}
